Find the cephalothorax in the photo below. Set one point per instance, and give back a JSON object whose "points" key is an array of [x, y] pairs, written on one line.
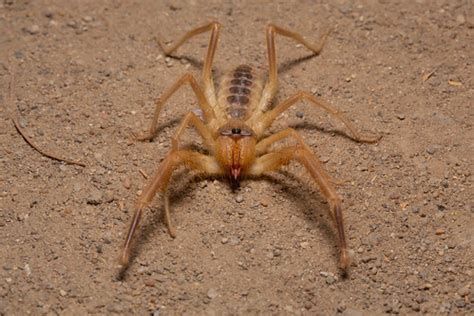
{"points": [[232, 129]]}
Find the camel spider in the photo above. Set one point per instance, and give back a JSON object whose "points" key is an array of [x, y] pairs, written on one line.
{"points": [[234, 121]]}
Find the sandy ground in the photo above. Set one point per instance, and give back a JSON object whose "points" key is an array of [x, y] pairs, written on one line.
{"points": [[85, 77]]}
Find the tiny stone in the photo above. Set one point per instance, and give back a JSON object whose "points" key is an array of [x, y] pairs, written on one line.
{"points": [[330, 279], [233, 241], [341, 307], [239, 198], [88, 18], [71, 24], [48, 13], [95, 197], [299, 114], [304, 244], [62, 292], [460, 303], [464, 291], [430, 149], [212, 293], [401, 116], [324, 159], [460, 19], [224, 240], [439, 231], [150, 283], [19, 55], [27, 269], [33, 29], [126, 183]]}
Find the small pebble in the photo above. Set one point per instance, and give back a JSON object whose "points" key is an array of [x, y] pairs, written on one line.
{"points": [[239, 198], [460, 303], [99, 248], [440, 231], [212, 293], [464, 291], [127, 183], [33, 29], [430, 149], [400, 116], [62, 292], [150, 282], [461, 19], [27, 269], [299, 114], [330, 279], [72, 24], [95, 197], [48, 13]]}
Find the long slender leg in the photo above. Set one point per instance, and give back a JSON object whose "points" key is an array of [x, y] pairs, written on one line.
{"points": [[266, 119], [274, 160], [171, 228], [192, 119], [159, 182], [187, 78], [263, 145], [202, 129], [214, 27], [272, 85]]}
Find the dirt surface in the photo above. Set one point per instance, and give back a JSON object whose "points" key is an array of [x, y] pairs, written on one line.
{"points": [[86, 74]]}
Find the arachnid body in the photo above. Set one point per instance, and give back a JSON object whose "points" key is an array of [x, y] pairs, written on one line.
{"points": [[232, 131]]}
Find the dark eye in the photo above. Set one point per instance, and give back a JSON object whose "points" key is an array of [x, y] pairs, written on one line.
{"points": [[236, 131]]}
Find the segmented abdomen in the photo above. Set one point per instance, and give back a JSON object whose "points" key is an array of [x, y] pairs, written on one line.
{"points": [[240, 91]]}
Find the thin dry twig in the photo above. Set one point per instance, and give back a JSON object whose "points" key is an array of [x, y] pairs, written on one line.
{"points": [[143, 173], [28, 139]]}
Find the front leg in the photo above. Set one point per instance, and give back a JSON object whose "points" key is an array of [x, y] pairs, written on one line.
{"points": [[159, 182], [214, 28], [275, 160], [271, 87], [188, 78], [264, 120]]}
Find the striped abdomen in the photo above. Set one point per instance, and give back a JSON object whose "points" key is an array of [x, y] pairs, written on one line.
{"points": [[240, 92]]}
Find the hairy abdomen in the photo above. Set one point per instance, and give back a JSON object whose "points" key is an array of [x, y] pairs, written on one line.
{"points": [[240, 92]]}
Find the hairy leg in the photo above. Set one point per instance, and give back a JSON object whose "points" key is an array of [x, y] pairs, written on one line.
{"points": [[188, 78], [214, 28], [275, 160], [159, 182], [272, 84], [203, 130], [266, 119]]}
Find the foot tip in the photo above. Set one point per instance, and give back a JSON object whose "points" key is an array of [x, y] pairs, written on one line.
{"points": [[345, 260]]}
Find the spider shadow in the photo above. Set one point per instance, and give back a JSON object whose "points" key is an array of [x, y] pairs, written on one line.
{"points": [[316, 215], [282, 68], [314, 127], [292, 192], [177, 193], [287, 65]]}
